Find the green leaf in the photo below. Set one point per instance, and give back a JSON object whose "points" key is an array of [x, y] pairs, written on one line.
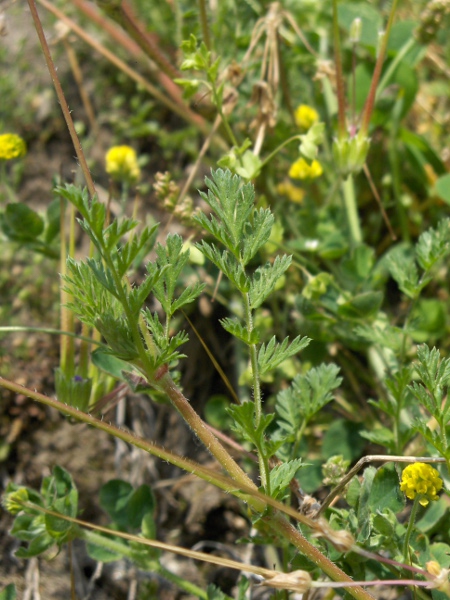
{"points": [[386, 336], [126, 506], [381, 436], [108, 363], [232, 202], [432, 516], [20, 223], [240, 331], [227, 264], [311, 140], [343, 438], [167, 346], [38, 545], [385, 524], [442, 188], [307, 395], [365, 515], [362, 306], [257, 233], [281, 476], [250, 166], [214, 593], [403, 269], [9, 592], [273, 354], [244, 423], [53, 221], [385, 491], [117, 333], [433, 245], [215, 412], [265, 278]]}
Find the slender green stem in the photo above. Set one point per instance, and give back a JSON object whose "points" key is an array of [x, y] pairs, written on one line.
{"points": [[277, 149], [218, 104], [204, 23], [409, 530], [67, 349], [351, 209], [257, 398]]}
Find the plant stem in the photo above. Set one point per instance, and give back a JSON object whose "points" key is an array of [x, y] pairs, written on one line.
{"points": [[176, 104], [281, 525], [113, 545], [121, 13], [257, 501], [412, 520], [62, 99], [204, 23], [67, 348], [340, 91], [257, 398], [351, 209], [368, 107], [49, 330], [210, 441]]}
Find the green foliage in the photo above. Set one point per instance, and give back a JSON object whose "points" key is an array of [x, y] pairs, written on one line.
{"points": [[41, 530], [307, 395], [170, 263], [102, 297], [25, 227], [9, 592], [361, 282], [281, 476], [272, 354]]}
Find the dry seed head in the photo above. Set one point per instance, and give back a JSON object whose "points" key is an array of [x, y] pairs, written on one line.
{"points": [[297, 581]]}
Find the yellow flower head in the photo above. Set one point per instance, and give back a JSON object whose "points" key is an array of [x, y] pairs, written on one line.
{"points": [[122, 165], [419, 479], [11, 146], [302, 170], [305, 116], [294, 193]]}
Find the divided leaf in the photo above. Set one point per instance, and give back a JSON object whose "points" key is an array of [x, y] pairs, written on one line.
{"points": [[281, 476], [273, 354], [307, 395], [265, 278]]}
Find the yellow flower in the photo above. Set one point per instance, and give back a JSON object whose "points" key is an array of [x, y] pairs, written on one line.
{"points": [[419, 479], [122, 165], [305, 116], [302, 170], [295, 194], [11, 146]]}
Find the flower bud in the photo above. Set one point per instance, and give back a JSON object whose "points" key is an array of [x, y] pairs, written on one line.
{"points": [[355, 30], [350, 154]]}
